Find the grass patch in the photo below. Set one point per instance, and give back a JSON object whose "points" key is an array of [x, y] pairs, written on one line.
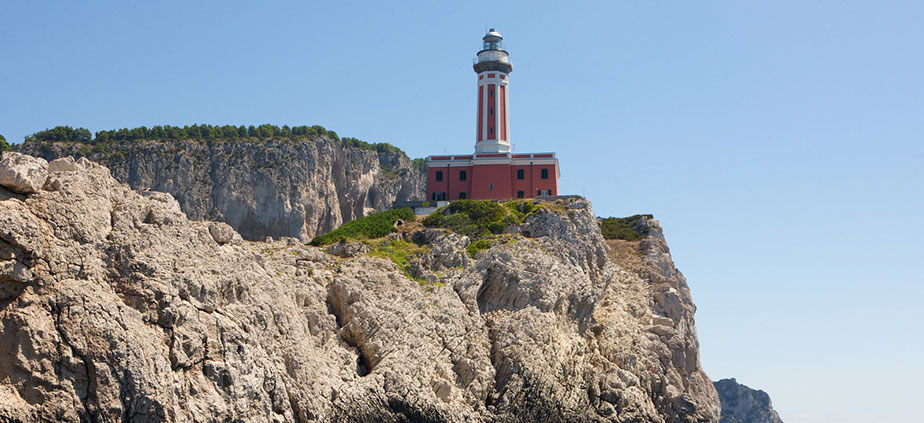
{"points": [[398, 251], [480, 245], [623, 227], [374, 226]]}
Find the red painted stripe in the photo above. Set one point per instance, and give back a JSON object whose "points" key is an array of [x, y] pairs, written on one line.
{"points": [[502, 105], [441, 158], [543, 155], [492, 118], [463, 157], [480, 77], [521, 156], [490, 75], [479, 137]]}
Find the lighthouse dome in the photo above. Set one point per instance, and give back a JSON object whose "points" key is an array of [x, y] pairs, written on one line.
{"points": [[493, 41], [492, 33], [492, 56]]}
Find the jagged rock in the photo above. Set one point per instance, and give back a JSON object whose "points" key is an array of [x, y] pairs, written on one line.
{"points": [[64, 164], [133, 312], [21, 173], [741, 404], [223, 233], [446, 253], [13, 270], [291, 187], [348, 249]]}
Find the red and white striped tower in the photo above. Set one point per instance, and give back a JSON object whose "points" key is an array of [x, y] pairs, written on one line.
{"points": [[492, 67]]}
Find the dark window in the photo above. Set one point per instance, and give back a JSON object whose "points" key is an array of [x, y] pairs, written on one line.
{"points": [[520, 194], [491, 111], [463, 175], [491, 131], [491, 187], [490, 93], [439, 175], [462, 195], [545, 192], [439, 196], [520, 175], [545, 174]]}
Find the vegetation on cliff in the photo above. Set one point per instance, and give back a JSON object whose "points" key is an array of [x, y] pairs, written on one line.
{"points": [[4, 146], [481, 218], [623, 227], [200, 132], [399, 252], [374, 226]]}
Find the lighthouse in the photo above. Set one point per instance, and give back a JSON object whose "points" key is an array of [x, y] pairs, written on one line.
{"points": [[494, 171], [493, 67]]}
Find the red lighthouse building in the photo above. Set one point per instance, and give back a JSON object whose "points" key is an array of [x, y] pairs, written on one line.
{"points": [[493, 172]]}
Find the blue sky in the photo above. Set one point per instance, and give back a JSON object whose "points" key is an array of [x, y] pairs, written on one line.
{"points": [[780, 144]]}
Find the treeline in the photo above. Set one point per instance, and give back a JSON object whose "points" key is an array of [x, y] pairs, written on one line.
{"points": [[62, 133], [380, 147], [4, 146], [202, 132], [167, 132]]}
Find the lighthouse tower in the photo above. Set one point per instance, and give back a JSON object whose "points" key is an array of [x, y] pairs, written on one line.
{"points": [[493, 66], [493, 172]]}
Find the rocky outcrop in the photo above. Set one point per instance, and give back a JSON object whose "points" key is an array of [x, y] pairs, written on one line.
{"points": [[115, 306], [278, 188], [741, 404], [23, 174]]}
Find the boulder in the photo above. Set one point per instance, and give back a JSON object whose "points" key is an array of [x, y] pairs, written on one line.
{"points": [[348, 249], [222, 232], [21, 173], [64, 164]]}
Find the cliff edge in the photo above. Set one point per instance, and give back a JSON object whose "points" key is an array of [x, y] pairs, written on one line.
{"points": [[294, 187], [115, 306], [741, 404]]}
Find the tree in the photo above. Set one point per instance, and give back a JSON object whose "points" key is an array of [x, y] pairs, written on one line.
{"points": [[62, 133], [4, 146]]}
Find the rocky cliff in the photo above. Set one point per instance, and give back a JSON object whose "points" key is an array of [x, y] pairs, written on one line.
{"points": [[115, 306], [741, 404], [289, 187]]}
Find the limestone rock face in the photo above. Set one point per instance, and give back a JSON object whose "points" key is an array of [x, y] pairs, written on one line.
{"points": [[21, 173], [741, 404], [295, 188], [115, 306]]}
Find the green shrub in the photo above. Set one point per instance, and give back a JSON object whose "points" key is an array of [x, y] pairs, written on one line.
{"points": [[420, 164], [473, 218], [623, 227], [373, 226], [398, 251], [479, 245], [4, 146], [521, 209]]}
